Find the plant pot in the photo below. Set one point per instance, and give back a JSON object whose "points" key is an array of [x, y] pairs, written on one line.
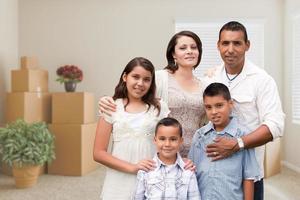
{"points": [[26, 176], [70, 86]]}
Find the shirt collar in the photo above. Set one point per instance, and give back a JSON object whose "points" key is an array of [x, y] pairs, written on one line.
{"points": [[179, 162], [247, 68], [229, 129]]}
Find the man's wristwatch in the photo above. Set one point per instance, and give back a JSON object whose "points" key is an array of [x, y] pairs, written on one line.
{"points": [[240, 143]]}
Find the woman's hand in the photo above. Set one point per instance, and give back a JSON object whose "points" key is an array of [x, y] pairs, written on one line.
{"points": [[106, 105], [146, 165], [189, 165]]}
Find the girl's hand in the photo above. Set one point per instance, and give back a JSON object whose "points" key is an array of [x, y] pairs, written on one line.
{"points": [[106, 105], [189, 165], [146, 165]]}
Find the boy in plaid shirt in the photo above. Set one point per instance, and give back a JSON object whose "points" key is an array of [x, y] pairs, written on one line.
{"points": [[169, 180]]}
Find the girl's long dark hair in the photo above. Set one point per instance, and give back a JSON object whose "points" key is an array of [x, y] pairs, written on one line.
{"points": [[149, 98]]}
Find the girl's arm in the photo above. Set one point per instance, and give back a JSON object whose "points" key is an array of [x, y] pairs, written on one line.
{"points": [[248, 187], [101, 155]]}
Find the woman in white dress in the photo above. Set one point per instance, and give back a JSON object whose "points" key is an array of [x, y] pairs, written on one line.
{"points": [[132, 130]]}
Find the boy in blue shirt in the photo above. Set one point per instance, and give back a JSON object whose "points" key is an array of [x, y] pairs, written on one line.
{"points": [[230, 178], [169, 180]]}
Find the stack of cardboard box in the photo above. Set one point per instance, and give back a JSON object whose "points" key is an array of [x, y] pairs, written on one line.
{"points": [[74, 127], [29, 98]]}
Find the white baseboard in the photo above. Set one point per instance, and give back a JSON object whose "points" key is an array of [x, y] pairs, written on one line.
{"points": [[290, 166]]}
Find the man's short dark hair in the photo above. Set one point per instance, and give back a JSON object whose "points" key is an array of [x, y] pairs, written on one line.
{"points": [[234, 26], [169, 121], [216, 89]]}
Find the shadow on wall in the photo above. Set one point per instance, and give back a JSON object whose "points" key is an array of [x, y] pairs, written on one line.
{"points": [[2, 91]]}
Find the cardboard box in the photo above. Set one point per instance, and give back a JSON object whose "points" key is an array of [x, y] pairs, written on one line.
{"points": [[29, 80], [272, 162], [29, 62], [74, 145], [30, 106], [73, 108]]}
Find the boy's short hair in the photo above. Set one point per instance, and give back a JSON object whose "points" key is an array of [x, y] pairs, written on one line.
{"points": [[215, 89], [169, 121]]}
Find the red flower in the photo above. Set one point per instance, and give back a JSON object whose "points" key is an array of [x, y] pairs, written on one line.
{"points": [[69, 73]]}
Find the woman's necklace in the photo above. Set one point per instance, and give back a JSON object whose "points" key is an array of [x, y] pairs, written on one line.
{"points": [[231, 79]]}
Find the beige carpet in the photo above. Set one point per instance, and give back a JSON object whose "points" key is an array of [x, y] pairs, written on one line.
{"points": [[50, 187], [285, 186]]}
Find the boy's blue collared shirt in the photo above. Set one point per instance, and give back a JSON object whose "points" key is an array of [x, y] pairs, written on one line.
{"points": [[222, 179], [167, 182]]}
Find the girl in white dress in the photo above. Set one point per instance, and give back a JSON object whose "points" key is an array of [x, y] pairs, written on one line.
{"points": [[132, 129]]}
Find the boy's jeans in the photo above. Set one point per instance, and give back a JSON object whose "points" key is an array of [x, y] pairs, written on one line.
{"points": [[259, 190]]}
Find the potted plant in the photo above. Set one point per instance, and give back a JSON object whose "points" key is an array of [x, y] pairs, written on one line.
{"points": [[26, 147], [70, 75]]}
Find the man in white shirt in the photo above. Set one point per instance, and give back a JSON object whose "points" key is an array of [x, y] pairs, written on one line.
{"points": [[255, 95]]}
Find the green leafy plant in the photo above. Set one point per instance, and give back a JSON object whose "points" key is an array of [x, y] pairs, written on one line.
{"points": [[69, 73], [22, 143]]}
